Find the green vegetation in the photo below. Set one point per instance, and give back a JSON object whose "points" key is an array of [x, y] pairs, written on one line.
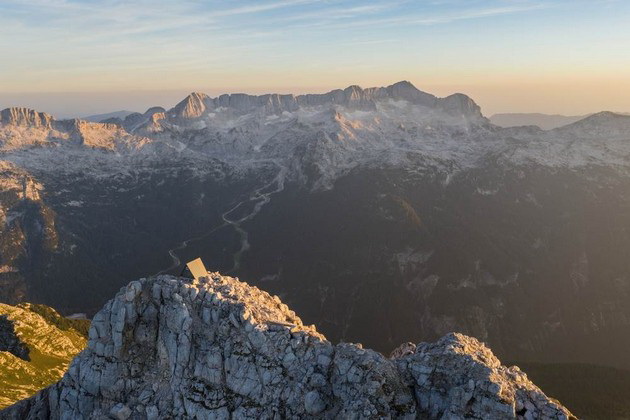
{"points": [[52, 340], [81, 326], [590, 392]]}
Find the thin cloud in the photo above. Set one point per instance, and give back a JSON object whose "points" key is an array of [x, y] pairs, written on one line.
{"points": [[337, 13], [125, 38], [259, 8], [434, 19]]}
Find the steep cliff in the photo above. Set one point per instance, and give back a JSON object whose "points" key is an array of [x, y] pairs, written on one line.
{"points": [[27, 230], [169, 347]]}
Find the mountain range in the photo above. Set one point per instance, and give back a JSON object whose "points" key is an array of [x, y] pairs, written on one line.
{"points": [[384, 215]]}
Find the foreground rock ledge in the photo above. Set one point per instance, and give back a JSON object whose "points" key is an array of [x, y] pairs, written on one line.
{"points": [[169, 347]]}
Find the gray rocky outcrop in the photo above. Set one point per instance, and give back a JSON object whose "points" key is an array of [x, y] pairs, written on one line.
{"points": [[193, 106], [26, 117], [169, 347]]}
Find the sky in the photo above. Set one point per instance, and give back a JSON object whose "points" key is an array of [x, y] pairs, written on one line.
{"points": [[80, 57]]}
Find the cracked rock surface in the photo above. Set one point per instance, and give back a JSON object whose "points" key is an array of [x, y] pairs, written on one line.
{"points": [[169, 347]]}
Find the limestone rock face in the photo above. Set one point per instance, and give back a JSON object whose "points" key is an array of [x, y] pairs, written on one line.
{"points": [[461, 105], [26, 117], [22, 128], [193, 106], [168, 347], [27, 228]]}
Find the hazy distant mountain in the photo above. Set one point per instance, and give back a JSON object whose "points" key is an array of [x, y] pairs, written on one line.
{"points": [[601, 125], [107, 116], [544, 121], [383, 215]]}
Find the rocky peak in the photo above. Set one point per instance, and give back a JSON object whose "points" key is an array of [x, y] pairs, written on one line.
{"points": [[402, 86], [134, 119], [354, 93], [357, 98], [603, 124], [193, 106], [170, 347], [154, 110], [406, 91], [604, 117], [26, 117], [144, 123], [460, 105]]}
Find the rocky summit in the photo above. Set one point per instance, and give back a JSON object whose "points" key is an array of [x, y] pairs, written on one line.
{"points": [[168, 347]]}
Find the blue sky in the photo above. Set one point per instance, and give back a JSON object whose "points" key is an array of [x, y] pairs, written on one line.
{"points": [[567, 56]]}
